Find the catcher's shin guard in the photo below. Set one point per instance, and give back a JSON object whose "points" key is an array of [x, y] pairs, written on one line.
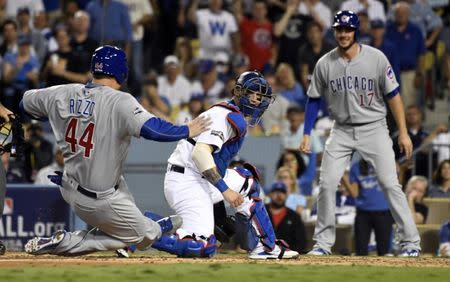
{"points": [[257, 228], [187, 247]]}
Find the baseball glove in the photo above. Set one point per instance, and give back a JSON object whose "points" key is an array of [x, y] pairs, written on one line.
{"points": [[11, 136]]}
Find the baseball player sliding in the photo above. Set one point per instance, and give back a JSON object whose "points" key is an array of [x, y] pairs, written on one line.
{"points": [[195, 181], [353, 79], [93, 125]]}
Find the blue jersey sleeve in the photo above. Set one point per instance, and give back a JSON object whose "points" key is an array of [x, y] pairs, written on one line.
{"points": [[312, 109], [160, 130]]}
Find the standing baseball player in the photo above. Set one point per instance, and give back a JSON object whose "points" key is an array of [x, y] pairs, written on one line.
{"points": [[194, 179], [93, 125], [353, 78]]}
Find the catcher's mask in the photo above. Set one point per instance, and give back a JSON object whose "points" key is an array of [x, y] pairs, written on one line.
{"points": [[253, 82]]}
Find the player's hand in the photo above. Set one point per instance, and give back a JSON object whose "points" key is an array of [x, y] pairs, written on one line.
{"points": [[5, 113], [234, 198], [198, 125], [305, 146], [405, 145]]}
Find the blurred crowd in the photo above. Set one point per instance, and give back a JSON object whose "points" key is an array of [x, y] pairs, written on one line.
{"points": [[184, 56]]}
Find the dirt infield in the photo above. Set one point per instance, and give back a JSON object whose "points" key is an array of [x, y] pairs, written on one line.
{"points": [[12, 260]]}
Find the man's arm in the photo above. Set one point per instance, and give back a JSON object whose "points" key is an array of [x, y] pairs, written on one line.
{"points": [[281, 25], [312, 110], [160, 130], [192, 11], [404, 142], [203, 159], [4, 113]]}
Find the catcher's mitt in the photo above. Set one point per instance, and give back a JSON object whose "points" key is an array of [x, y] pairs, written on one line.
{"points": [[11, 136]]}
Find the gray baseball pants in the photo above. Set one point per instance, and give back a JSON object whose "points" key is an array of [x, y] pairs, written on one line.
{"points": [[373, 143]]}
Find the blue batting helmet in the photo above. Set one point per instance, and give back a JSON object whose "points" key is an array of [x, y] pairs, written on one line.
{"points": [[110, 60], [253, 82], [346, 18]]}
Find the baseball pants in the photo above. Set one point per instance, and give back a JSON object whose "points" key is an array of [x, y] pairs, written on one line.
{"points": [[373, 143], [115, 216], [2, 188]]}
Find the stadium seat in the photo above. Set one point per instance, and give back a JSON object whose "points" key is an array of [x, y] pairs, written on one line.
{"points": [[438, 210]]}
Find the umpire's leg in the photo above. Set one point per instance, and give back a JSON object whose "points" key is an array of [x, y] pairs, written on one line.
{"points": [[381, 155], [337, 155], [2, 198]]}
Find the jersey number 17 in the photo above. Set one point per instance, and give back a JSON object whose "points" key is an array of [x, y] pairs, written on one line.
{"points": [[84, 141]]}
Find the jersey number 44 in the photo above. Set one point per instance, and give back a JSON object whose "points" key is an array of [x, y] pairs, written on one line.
{"points": [[84, 141]]}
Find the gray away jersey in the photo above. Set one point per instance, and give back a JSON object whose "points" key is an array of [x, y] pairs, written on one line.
{"points": [[93, 127], [354, 89]]}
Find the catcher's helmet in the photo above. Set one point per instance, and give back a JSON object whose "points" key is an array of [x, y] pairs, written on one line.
{"points": [[110, 60], [346, 18], [248, 82]]}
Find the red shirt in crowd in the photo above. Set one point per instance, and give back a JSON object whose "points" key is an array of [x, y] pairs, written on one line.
{"points": [[256, 41], [277, 218]]}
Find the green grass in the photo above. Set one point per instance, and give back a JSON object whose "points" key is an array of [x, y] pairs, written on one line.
{"points": [[215, 272]]}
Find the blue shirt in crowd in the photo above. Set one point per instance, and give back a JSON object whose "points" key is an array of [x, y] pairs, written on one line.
{"points": [[410, 42], [295, 200], [109, 21], [21, 74], [295, 95], [371, 197], [390, 51]]}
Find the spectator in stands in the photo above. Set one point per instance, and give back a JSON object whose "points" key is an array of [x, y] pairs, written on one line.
{"points": [[416, 189], [441, 189], [172, 85], [239, 64], [9, 33], [38, 151], [422, 15], [289, 87], [217, 29], [82, 46], [24, 28], [377, 31], [41, 24], [372, 209], [56, 165], [222, 61], [20, 73], [445, 38], [364, 36], [209, 85], [320, 12], [62, 67], [110, 24], [440, 138], [276, 9], [374, 8], [287, 223], [274, 117], [183, 51], [311, 52], [195, 107], [256, 35], [414, 120], [287, 181], [305, 173], [292, 133], [150, 99], [408, 38], [140, 12], [33, 6], [290, 30]]}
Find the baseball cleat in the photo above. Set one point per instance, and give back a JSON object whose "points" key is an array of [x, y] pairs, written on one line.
{"points": [[318, 252], [170, 224], [122, 253], [409, 253], [44, 245], [2, 248], [277, 253]]}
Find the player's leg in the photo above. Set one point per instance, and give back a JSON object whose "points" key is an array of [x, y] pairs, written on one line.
{"points": [[336, 157], [119, 221], [362, 233], [188, 196], [382, 224], [375, 146]]}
